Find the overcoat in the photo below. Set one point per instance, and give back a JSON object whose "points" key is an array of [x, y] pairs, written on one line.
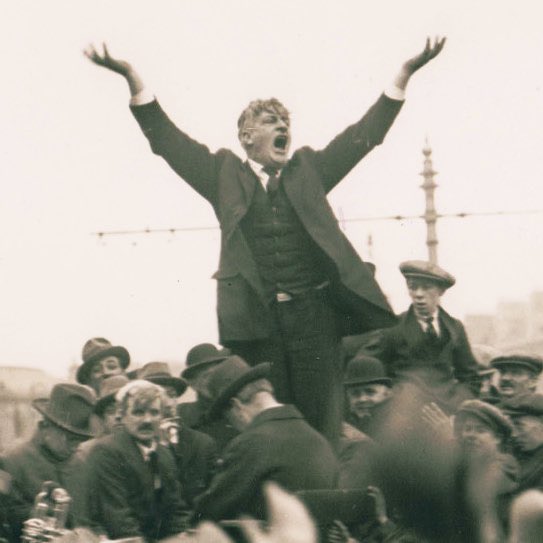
{"points": [[228, 183], [121, 490], [278, 445]]}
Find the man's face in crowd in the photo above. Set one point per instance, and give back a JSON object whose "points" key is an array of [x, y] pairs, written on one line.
{"points": [[529, 432], [110, 418], [142, 418], [516, 380], [425, 295], [475, 435], [362, 398], [170, 401], [61, 443], [104, 368], [267, 138]]}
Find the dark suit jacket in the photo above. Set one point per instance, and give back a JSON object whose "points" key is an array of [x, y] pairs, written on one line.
{"points": [[229, 184], [121, 490], [278, 445], [196, 458], [404, 350]]}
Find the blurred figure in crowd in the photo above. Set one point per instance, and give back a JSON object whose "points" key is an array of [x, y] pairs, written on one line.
{"points": [[48, 455]]}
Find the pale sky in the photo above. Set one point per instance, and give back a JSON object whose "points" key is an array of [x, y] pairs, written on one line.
{"points": [[74, 161]]}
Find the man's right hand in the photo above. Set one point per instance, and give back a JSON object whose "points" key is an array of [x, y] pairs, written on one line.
{"points": [[121, 67]]}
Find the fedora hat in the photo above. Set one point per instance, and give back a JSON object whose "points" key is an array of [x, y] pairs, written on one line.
{"points": [[365, 370], [69, 406], [108, 389], [96, 349], [202, 355], [160, 374], [228, 378]]}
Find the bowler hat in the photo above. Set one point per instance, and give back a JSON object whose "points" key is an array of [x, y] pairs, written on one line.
{"points": [[96, 349], [531, 363], [427, 270], [228, 378], [365, 370], [69, 406], [489, 414], [108, 389], [201, 356], [160, 374]]}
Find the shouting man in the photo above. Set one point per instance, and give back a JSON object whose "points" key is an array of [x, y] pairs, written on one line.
{"points": [[289, 282]]}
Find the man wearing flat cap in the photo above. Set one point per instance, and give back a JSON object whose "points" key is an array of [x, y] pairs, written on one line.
{"points": [[48, 456], [518, 377], [275, 443], [428, 347], [527, 417], [101, 360]]}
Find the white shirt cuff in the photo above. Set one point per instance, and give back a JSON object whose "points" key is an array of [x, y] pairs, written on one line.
{"points": [[395, 93], [143, 97]]}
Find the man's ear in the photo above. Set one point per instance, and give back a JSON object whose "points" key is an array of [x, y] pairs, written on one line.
{"points": [[246, 139]]}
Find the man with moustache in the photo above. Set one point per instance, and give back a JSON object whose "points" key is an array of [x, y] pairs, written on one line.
{"points": [[290, 284], [518, 377], [132, 479]]}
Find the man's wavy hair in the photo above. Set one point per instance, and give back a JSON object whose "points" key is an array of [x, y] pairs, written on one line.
{"points": [[256, 107]]}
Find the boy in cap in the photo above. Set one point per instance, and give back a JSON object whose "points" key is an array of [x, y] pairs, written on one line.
{"points": [[275, 443], [48, 455], [428, 347]]}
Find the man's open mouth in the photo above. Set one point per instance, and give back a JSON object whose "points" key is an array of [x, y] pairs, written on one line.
{"points": [[280, 142]]}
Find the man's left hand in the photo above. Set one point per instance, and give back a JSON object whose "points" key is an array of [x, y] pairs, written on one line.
{"points": [[431, 50]]}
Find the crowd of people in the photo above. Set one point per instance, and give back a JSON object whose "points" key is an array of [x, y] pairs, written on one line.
{"points": [[385, 427]]}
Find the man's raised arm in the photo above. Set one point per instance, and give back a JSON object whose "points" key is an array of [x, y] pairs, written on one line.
{"points": [[188, 158]]}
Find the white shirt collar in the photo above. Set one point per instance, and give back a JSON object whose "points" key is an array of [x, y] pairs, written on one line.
{"points": [[146, 451], [259, 171], [435, 322]]}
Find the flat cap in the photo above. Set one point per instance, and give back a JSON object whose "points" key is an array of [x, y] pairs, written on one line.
{"points": [[490, 415], [532, 363], [426, 270], [529, 405]]}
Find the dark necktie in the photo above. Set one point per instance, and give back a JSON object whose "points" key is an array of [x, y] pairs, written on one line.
{"points": [[273, 179], [430, 329]]}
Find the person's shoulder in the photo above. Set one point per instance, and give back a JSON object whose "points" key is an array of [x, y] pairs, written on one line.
{"points": [[17, 452]]}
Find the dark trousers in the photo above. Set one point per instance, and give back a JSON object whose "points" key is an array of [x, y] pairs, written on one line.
{"points": [[304, 350]]}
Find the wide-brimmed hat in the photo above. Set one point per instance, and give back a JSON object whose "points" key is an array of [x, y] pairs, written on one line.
{"points": [[228, 378], [69, 406], [426, 270], [160, 374], [489, 414], [96, 349], [531, 363], [108, 389], [202, 355], [365, 370]]}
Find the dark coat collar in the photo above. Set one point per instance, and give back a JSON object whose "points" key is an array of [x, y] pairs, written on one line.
{"points": [[281, 412]]}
